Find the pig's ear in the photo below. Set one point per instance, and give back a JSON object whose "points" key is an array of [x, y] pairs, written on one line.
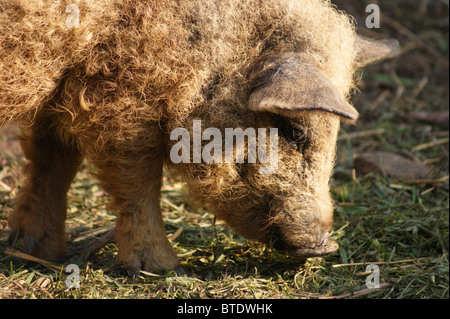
{"points": [[290, 86], [369, 50]]}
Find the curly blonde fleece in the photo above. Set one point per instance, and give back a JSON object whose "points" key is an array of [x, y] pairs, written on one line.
{"points": [[114, 88], [153, 59]]}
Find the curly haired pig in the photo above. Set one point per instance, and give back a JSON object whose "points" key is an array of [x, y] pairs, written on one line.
{"points": [[114, 86]]}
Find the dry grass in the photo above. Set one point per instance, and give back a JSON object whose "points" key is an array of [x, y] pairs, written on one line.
{"points": [[404, 227]]}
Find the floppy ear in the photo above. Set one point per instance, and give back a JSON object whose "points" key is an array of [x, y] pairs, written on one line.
{"points": [[290, 85], [369, 50]]}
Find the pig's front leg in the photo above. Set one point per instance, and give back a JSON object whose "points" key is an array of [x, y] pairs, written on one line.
{"points": [[142, 239], [132, 173]]}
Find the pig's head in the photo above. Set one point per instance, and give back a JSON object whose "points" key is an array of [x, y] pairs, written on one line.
{"points": [[289, 206]]}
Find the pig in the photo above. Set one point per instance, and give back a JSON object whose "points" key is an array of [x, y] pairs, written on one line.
{"points": [[109, 81]]}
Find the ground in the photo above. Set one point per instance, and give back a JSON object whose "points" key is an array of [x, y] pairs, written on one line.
{"points": [[398, 222]]}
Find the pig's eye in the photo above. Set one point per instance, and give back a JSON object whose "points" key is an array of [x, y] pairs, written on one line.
{"points": [[296, 134]]}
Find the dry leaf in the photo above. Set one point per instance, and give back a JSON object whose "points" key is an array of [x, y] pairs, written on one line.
{"points": [[392, 164]]}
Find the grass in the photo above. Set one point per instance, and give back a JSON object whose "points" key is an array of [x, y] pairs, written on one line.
{"points": [[402, 227]]}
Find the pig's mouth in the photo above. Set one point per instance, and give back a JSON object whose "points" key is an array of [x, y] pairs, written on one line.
{"points": [[325, 247], [324, 250]]}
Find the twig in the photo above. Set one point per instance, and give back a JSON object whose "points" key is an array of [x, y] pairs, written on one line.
{"points": [[427, 181], [355, 294], [401, 29], [93, 248], [363, 292], [380, 99], [175, 235], [93, 233], [43, 262], [380, 263], [101, 242], [4, 188], [433, 161], [396, 186], [420, 86], [178, 209], [430, 144], [344, 204], [427, 191], [361, 134], [412, 37], [400, 87], [314, 296]]}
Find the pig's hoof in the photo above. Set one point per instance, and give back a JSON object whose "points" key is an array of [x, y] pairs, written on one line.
{"points": [[133, 273], [326, 249], [29, 243], [51, 249], [28, 240], [143, 261]]}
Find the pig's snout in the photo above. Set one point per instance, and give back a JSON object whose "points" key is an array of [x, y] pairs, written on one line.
{"points": [[324, 246], [306, 234]]}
